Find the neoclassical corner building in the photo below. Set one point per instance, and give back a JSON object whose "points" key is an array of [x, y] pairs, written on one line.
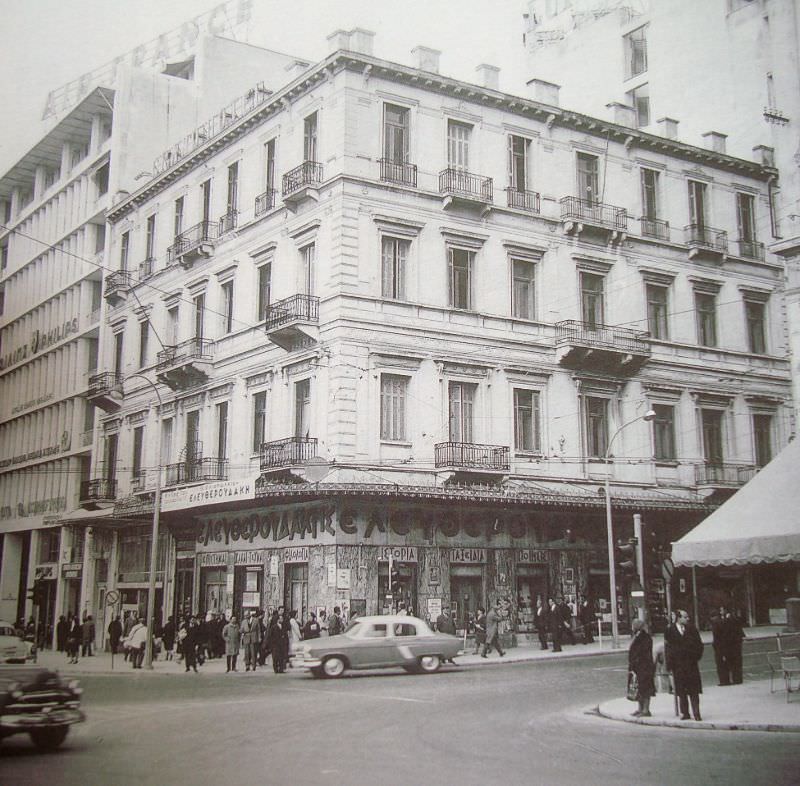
{"points": [[373, 337]]}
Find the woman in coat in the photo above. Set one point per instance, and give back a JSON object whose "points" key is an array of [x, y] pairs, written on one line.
{"points": [[640, 662], [232, 637], [295, 634]]}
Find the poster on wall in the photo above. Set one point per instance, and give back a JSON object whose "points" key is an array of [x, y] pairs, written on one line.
{"points": [[434, 607], [331, 574], [273, 565], [343, 578]]}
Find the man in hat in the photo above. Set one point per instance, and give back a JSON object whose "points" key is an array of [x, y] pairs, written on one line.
{"points": [[251, 640]]}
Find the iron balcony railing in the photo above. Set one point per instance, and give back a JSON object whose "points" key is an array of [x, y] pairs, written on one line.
{"points": [[265, 202], [98, 490], [751, 249], [722, 474], [654, 227], [204, 232], [300, 307], [701, 236], [118, 280], [398, 172], [228, 222], [458, 182], [598, 213], [193, 349], [470, 455], [146, 268], [593, 334], [196, 470], [138, 482], [287, 452], [523, 200], [309, 173], [105, 382]]}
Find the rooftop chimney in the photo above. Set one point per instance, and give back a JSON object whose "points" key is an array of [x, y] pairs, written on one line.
{"points": [[764, 154], [356, 40], [489, 76], [622, 114], [426, 59], [669, 127], [545, 92], [715, 141], [339, 39]]}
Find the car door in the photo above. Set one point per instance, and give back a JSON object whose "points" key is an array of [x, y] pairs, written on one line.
{"points": [[406, 641], [372, 647]]}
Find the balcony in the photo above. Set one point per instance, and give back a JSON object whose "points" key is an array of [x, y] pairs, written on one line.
{"points": [[96, 493], [459, 187], [721, 475], [196, 470], [705, 241], [293, 320], [580, 216], [117, 286], [265, 202], [655, 228], [289, 452], [185, 365], [399, 172], [751, 249], [146, 268], [470, 462], [228, 222], [590, 346], [529, 201], [195, 243], [301, 183], [105, 391]]}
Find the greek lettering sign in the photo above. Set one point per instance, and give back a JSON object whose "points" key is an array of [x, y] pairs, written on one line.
{"points": [[71, 570], [208, 494], [397, 553], [214, 559], [296, 554], [45, 572], [248, 557], [531, 556], [469, 556]]}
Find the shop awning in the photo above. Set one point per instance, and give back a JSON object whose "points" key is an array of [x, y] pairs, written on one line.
{"points": [[758, 524]]}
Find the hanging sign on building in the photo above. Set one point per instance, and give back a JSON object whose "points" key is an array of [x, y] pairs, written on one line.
{"points": [[224, 491], [296, 554], [531, 556], [397, 553], [215, 559], [248, 557], [468, 556], [71, 570], [45, 572]]}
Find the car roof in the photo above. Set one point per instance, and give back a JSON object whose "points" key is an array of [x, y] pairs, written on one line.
{"points": [[395, 618]]}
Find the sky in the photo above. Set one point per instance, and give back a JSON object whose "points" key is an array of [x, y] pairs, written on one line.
{"points": [[46, 43]]}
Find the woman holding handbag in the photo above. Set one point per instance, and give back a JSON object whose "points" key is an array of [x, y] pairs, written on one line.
{"points": [[641, 669]]}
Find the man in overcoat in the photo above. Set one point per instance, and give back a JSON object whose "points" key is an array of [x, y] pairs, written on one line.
{"points": [[493, 631], [683, 650], [555, 623], [251, 640]]}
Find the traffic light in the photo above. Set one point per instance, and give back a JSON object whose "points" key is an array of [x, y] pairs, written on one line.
{"points": [[626, 558], [37, 594], [394, 579]]}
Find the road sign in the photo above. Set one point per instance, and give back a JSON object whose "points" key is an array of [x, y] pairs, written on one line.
{"points": [[112, 598], [667, 569]]}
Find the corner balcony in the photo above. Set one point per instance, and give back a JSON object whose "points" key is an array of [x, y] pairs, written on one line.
{"points": [[722, 475], [195, 243], [196, 470], [706, 242], [530, 201], [590, 346], [751, 249], [117, 286], [579, 216], [228, 222], [146, 268], [105, 391], [399, 172], [284, 453], [654, 228], [94, 494], [465, 189], [472, 462], [265, 202], [185, 365], [293, 320], [301, 183]]}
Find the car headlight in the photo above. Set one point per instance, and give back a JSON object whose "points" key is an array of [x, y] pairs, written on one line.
{"points": [[75, 687], [15, 690]]}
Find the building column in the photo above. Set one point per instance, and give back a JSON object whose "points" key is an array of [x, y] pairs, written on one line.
{"points": [[10, 571], [87, 575]]}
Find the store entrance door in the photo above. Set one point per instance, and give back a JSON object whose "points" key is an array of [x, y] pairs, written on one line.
{"points": [[466, 593], [531, 586], [404, 590]]}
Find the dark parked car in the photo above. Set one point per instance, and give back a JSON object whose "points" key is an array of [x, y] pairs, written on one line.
{"points": [[380, 642], [35, 700]]}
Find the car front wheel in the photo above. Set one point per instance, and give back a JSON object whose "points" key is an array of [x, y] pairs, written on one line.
{"points": [[316, 672], [333, 666], [430, 663], [49, 739]]}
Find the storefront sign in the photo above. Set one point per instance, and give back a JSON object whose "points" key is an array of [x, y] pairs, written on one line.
{"points": [[248, 557], [71, 570], [296, 554], [40, 506], [45, 572], [434, 608], [468, 556], [215, 559], [397, 553], [343, 579], [208, 494], [251, 599], [529, 556]]}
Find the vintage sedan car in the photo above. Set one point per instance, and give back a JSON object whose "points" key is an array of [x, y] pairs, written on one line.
{"points": [[380, 642], [13, 647], [37, 701]]}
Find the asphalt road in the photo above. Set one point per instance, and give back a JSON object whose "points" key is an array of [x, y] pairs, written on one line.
{"points": [[519, 723]]}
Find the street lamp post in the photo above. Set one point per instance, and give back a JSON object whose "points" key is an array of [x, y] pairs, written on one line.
{"points": [[612, 576]]}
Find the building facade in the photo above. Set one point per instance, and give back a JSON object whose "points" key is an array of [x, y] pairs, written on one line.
{"points": [[374, 342]]}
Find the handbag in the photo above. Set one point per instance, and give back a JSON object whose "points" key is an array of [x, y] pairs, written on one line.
{"points": [[633, 687]]}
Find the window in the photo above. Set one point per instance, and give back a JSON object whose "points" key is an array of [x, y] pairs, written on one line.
{"points": [[124, 249], [144, 340], [110, 473], [588, 178], [664, 432], [657, 300], [205, 200], [307, 259], [461, 403], [4, 256], [458, 135], [150, 243], [649, 193], [518, 163], [395, 134], [119, 359], [461, 262], [592, 297], [173, 325], [259, 419], [177, 222], [138, 444], [636, 52], [755, 312], [264, 289], [302, 408], [227, 307], [596, 426], [711, 420], [705, 309], [222, 430], [269, 165], [393, 407], [99, 238], [232, 202], [639, 99], [49, 544], [394, 253], [199, 315], [697, 203], [166, 439], [526, 420], [745, 215], [310, 138], [193, 448], [523, 289], [762, 439]]}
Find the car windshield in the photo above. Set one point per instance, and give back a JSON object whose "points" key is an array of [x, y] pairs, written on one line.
{"points": [[7, 631]]}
